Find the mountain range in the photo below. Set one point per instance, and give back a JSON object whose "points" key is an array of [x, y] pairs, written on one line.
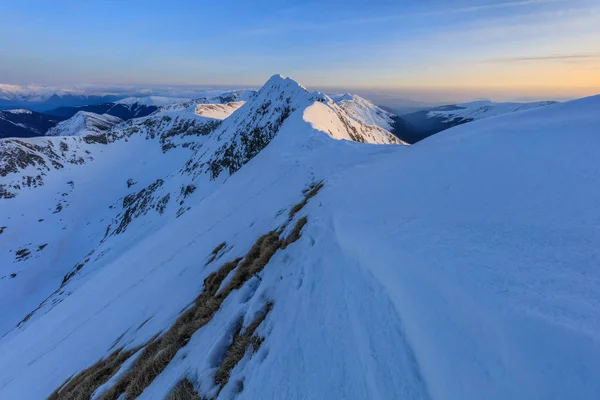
{"points": [[25, 123], [285, 244], [418, 125]]}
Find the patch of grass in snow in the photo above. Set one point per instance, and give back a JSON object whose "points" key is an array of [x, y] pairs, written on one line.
{"points": [[309, 193], [254, 262], [83, 385], [161, 350], [215, 252], [295, 234], [240, 344], [184, 391]]}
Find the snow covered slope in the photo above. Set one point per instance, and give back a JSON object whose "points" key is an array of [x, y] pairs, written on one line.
{"points": [[476, 110], [84, 123], [419, 125], [306, 267], [83, 192], [364, 111]]}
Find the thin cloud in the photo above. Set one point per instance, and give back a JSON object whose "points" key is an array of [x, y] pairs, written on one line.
{"points": [[396, 17], [458, 10], [550, 57]]}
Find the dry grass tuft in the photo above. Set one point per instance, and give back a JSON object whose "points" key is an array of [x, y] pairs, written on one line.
{"points": [[256, 259], [215, 253], [83, 385], [184, 391], [309, 193], [161, 350], [219, 248], [239, 345], [214, 280], [295, 234]]}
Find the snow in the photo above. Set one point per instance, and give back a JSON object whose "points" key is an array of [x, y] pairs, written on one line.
{"points": [[482, 109], [19, 111], [151, 100], [115, 378], [217, 111], [462, 267], [84, 123], [364, 111]]}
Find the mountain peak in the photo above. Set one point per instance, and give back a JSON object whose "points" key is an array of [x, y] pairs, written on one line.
{"points": [[281, 82], [84, 123]]}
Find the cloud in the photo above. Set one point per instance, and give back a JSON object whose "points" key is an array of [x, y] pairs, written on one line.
{"points": [[509, 4], [459, 10], [550, 57], [280, 27]]}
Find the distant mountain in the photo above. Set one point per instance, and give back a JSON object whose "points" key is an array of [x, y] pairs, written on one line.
{"points": [[421, 124], [55, 101], [124, 111], [84, 123], [137, 107], [21, 123], [44, 98]]}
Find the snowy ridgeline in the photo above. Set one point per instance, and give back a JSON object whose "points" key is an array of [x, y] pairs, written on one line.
{"points": [[477, 110], [285, 264]]}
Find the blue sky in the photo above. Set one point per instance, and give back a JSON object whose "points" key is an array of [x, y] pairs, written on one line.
{"points": [[478, 46]]}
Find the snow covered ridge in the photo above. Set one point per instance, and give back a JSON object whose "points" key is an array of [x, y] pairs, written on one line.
{"points": [[259, 258], [84, 123], [365, 111], [125, 182], [482, 109]]}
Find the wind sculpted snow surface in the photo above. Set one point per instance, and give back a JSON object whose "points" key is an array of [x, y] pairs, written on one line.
{"points": [[469, 275]]}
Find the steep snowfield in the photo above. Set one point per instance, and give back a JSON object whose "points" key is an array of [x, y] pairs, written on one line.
{"points": [[482, 109], [76, 189], [69, 185], [459, 268], [364, 111], [84, 123], [218, 111]]}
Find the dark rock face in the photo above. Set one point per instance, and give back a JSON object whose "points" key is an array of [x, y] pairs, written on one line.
{"points": [[17, 155]]}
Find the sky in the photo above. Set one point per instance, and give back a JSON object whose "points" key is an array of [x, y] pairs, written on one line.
{"points": [[424, 50]]}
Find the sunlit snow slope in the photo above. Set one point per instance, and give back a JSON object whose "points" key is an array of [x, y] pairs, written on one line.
{"points": [[84, 123], [463, 267]]}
